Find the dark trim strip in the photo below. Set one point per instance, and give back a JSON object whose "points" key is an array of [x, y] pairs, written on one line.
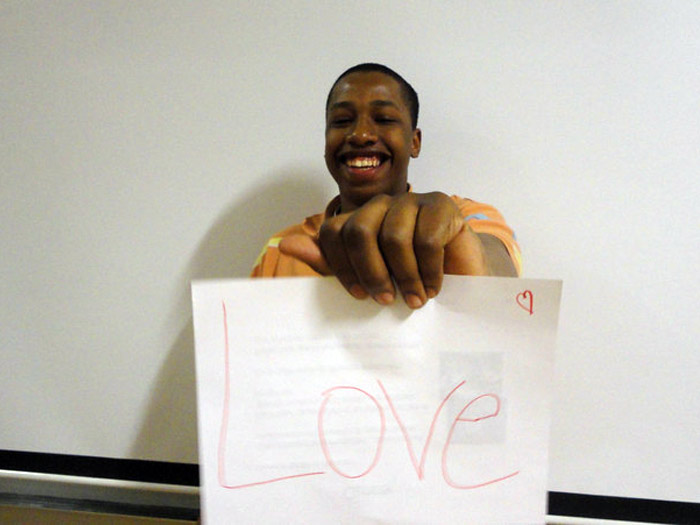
{"points": [[97, 467], [101, 507], [187, 474], [624, 509]]}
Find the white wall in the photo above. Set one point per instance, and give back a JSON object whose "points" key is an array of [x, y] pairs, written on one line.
{"points": [[143, 144]]}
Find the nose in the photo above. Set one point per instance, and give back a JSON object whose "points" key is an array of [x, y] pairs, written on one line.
{"points": [[364, 132]]}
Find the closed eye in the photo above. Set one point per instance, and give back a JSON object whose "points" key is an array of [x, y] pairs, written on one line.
{"points": [[382, 119], [340, 122]]}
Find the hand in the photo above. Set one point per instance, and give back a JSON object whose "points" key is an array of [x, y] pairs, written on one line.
{"points": [[411, 238]]}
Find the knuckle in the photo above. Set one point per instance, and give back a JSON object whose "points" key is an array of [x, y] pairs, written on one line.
{"points": [[427, 245], [392, 240], [357, 235], [329, 231], [404, 200], [436, 196], [382, 199], [411, 197]]}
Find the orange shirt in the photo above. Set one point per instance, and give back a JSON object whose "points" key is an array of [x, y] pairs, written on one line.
{"points": [[482, 218]]}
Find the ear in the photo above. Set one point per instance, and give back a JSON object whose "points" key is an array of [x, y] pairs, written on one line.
{"points": [[415, 143]]}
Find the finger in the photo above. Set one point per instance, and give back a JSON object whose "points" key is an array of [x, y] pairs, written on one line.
{"points": [[360, 234], [307, 250], [437, 224], [333, 248], [396, 243]]}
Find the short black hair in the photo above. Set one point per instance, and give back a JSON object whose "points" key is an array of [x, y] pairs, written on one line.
{"points": [[409, 94]]}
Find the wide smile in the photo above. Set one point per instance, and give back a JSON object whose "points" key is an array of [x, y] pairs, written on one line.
{"points": [[363, 166]]}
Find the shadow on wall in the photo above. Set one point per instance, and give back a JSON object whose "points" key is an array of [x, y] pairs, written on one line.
{"points": [[235, 240], [228, 250]]}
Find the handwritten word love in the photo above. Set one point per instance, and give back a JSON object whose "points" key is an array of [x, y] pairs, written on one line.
{"points": [[463, 417]]}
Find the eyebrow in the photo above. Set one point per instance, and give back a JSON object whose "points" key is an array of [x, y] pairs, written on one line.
{"points": [[379, 103]]}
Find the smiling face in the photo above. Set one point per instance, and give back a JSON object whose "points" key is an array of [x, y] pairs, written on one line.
{"points": [[369, 138]]}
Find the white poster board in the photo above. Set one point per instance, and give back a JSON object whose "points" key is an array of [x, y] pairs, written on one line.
{"points": [[318, 408]]}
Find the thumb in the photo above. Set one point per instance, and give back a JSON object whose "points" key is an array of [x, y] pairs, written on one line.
{"points": [[307, 250], [465, 255]]}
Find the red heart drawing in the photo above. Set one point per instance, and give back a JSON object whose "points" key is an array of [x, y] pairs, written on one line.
{"points": [[524, 300]]}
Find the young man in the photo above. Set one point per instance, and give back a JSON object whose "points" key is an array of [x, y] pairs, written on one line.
{"points": [[377, 232]]}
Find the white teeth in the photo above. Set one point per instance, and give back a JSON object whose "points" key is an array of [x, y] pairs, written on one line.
{"points": [[363, 162]]}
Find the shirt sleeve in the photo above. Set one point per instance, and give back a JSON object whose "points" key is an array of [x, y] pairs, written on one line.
{"points": [[483, 218], [266, 261], [273, 263]]}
